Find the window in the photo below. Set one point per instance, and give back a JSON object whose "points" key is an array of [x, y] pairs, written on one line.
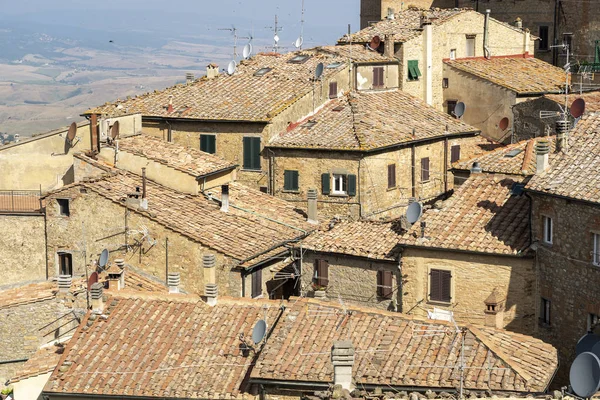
{"points": [[544, 45], [547, 229], [257, 283], [596, 253], [342, 184], [424, 169], [451, 105], [470, 51], [455, 153], [445, 83], [208, 143], [413, 70], [333, 90], [299, 59], [252, 153], [391, 176], [440, 285], [592, 322], [545, 311], [321, 276], [63, 207], [568, 40], [384, 284], [378, 77], [453, 54], [65, 264], [290, 180]]}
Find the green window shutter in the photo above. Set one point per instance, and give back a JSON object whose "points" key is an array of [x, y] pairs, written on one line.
{"points": [[325, 183], [247, 153], [203, 142], [413, 70], [290, 180], [251, 153], [256, 153], [295, 180], [212, 144], [351, 185], [418, 72], [207, 143]]}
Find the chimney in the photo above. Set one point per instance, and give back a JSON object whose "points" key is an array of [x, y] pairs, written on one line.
{"points": [[94, 131], [312, 206], [388, 45], [97, 300], [173, 281], [494, 310], [170, 106], [225, 198], [189, 77], [391, 13], [342, 358], [116, 275], [144, 202], [542, 148], [486, 33], [64, 283], [212, 70], [428, 57], [476, 168], [519, 23], [211, 290], [562, 129]]}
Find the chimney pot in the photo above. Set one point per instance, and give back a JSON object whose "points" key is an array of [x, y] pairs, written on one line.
{"points": [[225, 198], [211, 291], [64, 283], [212, 71], [494, 310], [97, 298], [519, 23], [542, 148], [173, 280], [312, 206], [476, 168], [342, 358], [189, 77]]}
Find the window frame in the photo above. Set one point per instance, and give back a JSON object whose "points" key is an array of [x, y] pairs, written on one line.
{"points": [[547, 222], [425, 172], [391, 171], [544, 45], [344, 183], [596, 249], [209, 138], [445, 83], [64, 207], [385, 291], [441, 299], [453, 54], [64, 256], [254, 162], [545, 311], [468, 40], [294, 184], [321, 273]]}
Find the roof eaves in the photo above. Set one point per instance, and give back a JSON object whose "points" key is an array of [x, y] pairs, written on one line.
{"points": [[519, 254]]}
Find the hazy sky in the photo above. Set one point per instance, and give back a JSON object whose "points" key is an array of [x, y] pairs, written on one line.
{"points": [[325, 20]]}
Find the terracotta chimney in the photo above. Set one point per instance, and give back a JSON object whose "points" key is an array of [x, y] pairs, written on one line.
{"points": [[211, 290], [312, 206], [342, 358], [212, 70], [170, 106], [94, 131], [225, 198], [97, 298], [494, 310]]}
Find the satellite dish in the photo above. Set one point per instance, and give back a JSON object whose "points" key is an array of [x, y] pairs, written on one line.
{"points": [[596, 349], [503, 125], [585, 375], [72, 132], [459, 109], [114, 130], [577, 108], [298, 42], [231, 67], [375, 42], [92, 279], [413, 212], [259, 331], [276, 38], [319, 70], [247, 52], [586, 343], [103, 258]]}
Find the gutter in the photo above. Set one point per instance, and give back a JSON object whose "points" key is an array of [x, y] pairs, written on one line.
{"points": [[413, 246], [183, 119], [532, 94], [587, 202], [201, 177]]}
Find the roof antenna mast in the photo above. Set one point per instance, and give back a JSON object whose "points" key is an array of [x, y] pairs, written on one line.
{"points": [[276, 30]]}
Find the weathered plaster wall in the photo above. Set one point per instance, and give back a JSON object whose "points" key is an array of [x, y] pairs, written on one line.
{"points": [[22, 248], [474, 277], [364, 77]]}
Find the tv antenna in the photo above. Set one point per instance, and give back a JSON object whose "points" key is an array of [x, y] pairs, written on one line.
{"points": [[300, 40], [232, 66], [276, 29]]}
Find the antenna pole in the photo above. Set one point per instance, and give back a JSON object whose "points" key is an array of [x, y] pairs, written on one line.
{"points": [[87, 293], [462, 364], [302, 23]]}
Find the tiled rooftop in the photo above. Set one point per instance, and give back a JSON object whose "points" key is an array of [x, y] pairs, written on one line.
{"points": [[356, 52], [592, 99], [575, 175], [186, 159], [521, 74], [254, 224], [171, 347], [378, 240], [370, 120], [400, 351], [481, 216], [42, 362], [515, 159], [239, 97]]}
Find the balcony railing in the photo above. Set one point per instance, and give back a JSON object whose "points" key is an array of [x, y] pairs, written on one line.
{"points": [[586, 67], [20, 201]]}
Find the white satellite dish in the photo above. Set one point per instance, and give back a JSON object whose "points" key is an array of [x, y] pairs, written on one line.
{"points": [[247, 52], [259, 331], [319, 70], [413, 213], [231, 67], [276, 38], [298, 42]]}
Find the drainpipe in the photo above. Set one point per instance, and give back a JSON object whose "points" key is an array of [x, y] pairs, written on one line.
{"points": [[486, 49], [144, 203], [94, 132], [414, 183], [428, 56], [446, 163], [555, 33]]}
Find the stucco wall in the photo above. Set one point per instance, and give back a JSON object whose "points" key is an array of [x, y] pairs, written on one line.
{"points": [[22, 248], [364, 76], [30, 388], [474, 277]]}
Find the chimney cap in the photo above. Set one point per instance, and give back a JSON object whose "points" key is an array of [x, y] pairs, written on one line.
{"points": [[476, 168]]}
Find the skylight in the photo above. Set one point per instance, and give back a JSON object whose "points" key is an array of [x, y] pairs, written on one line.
{"points": [[262, 71], [334, 65], [513, 153], [299, 59], [309, 124]]}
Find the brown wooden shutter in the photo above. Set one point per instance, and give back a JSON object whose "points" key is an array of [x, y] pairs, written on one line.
{"points": [[322, 268], [434, 285], [455, 153], [424, 169], [257, 283], [378, 77], [384, 284], [333, 90], [446, 277], [391, 175]]}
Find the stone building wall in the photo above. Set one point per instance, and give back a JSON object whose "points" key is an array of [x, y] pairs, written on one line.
{"points": [[353, 279], [474, 277], [364, 76], [22, 248], [527, 121], [567, 276]]}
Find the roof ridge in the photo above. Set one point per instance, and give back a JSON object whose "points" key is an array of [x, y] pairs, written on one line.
{"points": [[528, 155], [354, 109]]}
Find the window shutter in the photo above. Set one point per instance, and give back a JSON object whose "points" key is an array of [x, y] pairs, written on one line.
{"points": [[424, 169], [384, 284], [391, 175], [257, 283], [212, 144], [256, 153], [455, 153], [247, 153], [380, 72], [287, 180], [295, 180], [351, 185], [446, 277], [322, 267], [325, 183], [333, 90], [203, 140]]}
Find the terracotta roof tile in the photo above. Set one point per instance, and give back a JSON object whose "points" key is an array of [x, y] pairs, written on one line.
{"points": [[238, 97], [186, 159], [520, 74], [399, 350], [576, 174], [592, 99], [358, 53], [42, 362], [481, 216], [367, 121]]}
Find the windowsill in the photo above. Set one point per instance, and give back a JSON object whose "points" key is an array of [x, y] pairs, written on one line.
{"points": [[544, 50], [413, 80], [427, 181], [291, 191], [440, 303], [338, 194], [251, 170], [391, 189]]}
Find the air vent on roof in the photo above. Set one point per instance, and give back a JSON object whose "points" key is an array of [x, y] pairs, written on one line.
{"points": [[299, 59], [513, 153], [309, 124], [334, 64], [338, 108], [262, 71]]}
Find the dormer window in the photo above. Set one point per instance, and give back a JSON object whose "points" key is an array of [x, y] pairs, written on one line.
{"points": [[262, 71]]}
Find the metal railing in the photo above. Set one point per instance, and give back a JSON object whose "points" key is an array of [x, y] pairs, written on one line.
{"points": [[20, 201], [586, 67]]}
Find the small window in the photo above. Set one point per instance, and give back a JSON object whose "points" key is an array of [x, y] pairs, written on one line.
{"points": [[385, 284], [440, 285], [290, 180], [545, 306], [299, 59], [378, 81], [445, 83], [413, 70], [424, 169], [321, 276], [455, 153], [548, 229], [453, 54], [65, 263], [257, 283], [544, 44], [309, 124], [333, 90], [252, 153], [208, 143], [470, 50], [391, 176], [63, 207], [451, 105], [262, 71], [340, 184], [596, 247], [568, 41]]}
